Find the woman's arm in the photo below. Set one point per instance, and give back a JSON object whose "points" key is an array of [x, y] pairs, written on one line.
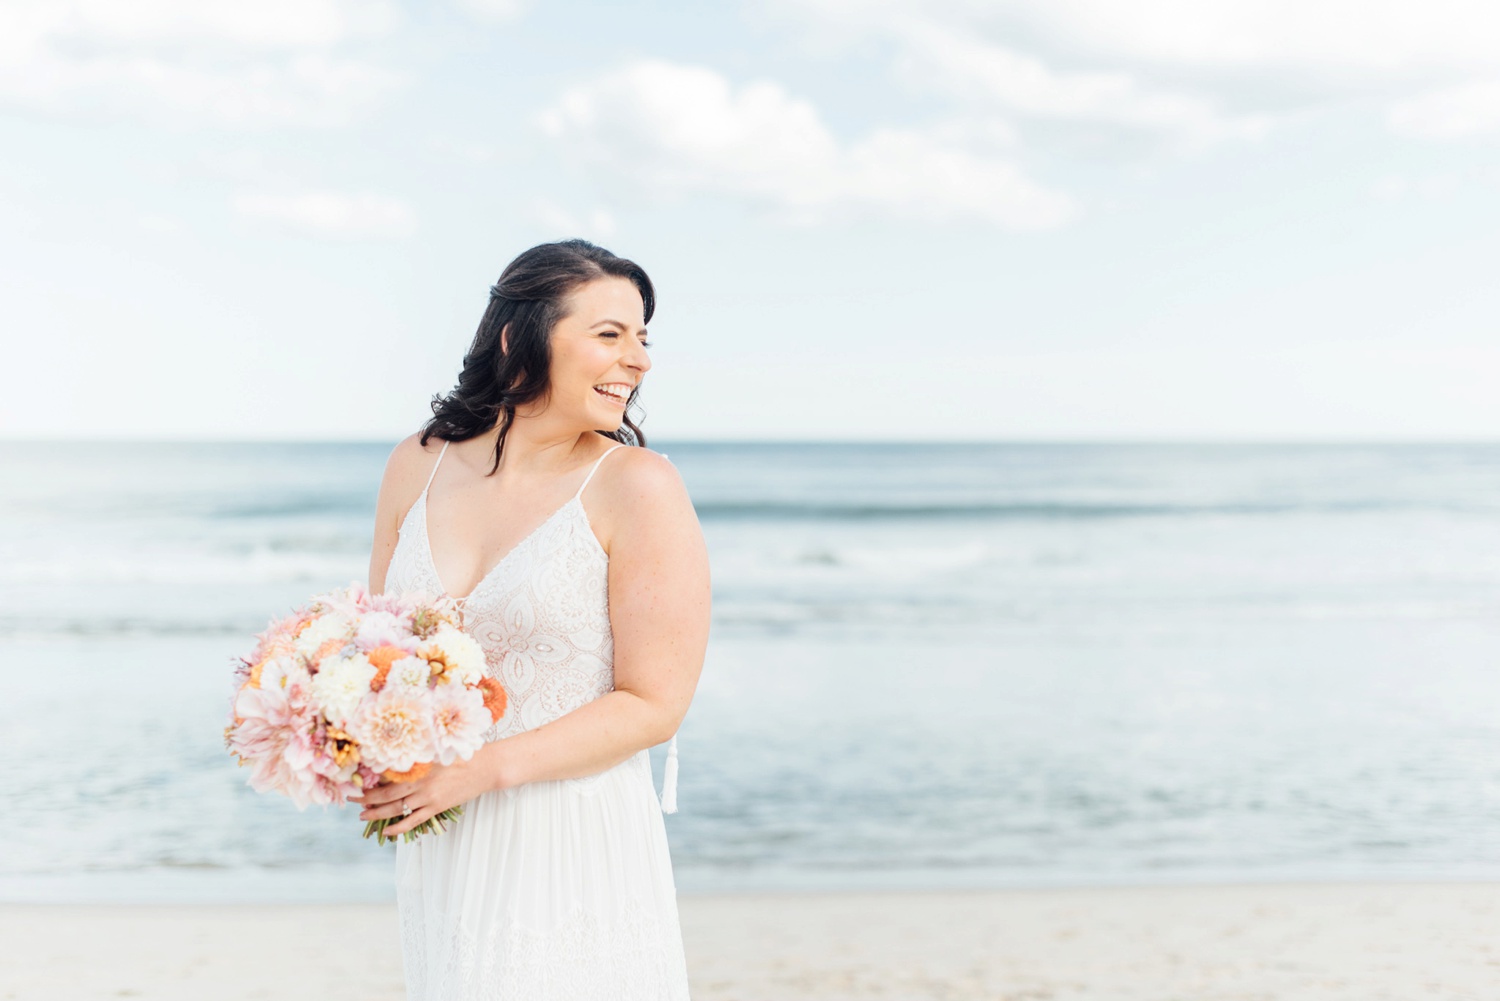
{"points": [[659, 613]]}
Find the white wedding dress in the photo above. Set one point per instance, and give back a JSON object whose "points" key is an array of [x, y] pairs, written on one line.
{"points": [[555, 890]]}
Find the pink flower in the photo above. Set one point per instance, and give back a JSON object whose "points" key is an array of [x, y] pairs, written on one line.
{"points": [[459, 719], [275, 736], [334, 764], [377, 629], [276, 639], [395, 604]]}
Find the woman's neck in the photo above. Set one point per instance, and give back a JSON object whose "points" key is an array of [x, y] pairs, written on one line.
{"points": [[534, 450]]}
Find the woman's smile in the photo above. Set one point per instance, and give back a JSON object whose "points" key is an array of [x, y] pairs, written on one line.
{"points": [[615, 392]]}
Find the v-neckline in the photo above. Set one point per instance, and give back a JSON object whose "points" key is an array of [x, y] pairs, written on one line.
{"points": [[432, 561]]}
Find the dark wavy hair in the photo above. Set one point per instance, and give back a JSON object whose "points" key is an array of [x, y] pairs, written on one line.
{"points": [[530, 298]]}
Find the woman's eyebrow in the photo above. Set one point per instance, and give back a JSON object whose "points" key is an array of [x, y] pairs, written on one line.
{"points": [[617, 323]]}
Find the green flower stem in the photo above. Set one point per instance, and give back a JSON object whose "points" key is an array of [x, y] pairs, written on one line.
{"points": [[432, 825]]}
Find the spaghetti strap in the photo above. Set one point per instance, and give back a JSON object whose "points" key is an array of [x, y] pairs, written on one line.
{"points": [[590, 476], [435, 465]]}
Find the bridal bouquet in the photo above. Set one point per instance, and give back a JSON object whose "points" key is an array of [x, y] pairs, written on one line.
{"points": [[354, 689]]}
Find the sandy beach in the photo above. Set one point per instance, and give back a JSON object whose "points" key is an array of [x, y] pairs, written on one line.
{"points": [[1194, 943]]}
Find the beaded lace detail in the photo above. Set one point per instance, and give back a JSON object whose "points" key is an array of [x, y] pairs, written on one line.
{"points": [[545, 634]]}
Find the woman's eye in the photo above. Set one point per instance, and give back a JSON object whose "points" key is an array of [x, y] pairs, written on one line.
{"points": [[646, 344]]}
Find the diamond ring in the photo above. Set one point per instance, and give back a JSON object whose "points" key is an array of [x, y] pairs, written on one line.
{"points": [[405, 809]]}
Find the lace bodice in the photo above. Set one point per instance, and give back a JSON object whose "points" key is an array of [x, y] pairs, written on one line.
{"points": [[541, 614]]}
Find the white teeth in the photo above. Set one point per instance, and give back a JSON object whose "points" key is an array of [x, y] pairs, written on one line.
{"points": [[617, 391]]}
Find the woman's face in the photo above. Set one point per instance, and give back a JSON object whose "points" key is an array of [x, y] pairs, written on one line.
{"points": [[599, 353]]}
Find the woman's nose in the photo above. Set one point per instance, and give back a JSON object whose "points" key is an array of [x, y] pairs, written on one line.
{"points": [[639, 359]]}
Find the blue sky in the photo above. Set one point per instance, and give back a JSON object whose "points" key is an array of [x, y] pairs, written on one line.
{"points": [[1044, 220]]}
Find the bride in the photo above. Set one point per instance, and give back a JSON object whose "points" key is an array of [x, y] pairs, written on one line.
{"points": [[577, 562]]}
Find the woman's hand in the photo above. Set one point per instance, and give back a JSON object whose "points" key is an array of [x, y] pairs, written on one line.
{"points": [[442, 787]]}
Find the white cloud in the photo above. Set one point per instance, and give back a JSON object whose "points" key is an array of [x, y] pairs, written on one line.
{"points": [[1347, 44], [1324, 37], [267, 24], [330, 214], [946, 49], [235, 63], [1024, 84], [1451, 113], [1437, 56], [670, 129], [495, 10]]}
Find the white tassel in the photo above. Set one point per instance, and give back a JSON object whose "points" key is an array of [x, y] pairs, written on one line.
{"points": [[669, 779]]}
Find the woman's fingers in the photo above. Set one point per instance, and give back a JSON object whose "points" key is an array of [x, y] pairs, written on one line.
{"points": [[390, 809], [384, 812], [417, 817], [385, 793]]}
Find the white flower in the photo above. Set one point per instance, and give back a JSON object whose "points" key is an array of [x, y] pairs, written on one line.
{"points": [[410, 673], [283, 673], [328, 626], [462, 651], [339, 686], [459, 719], [394, 730]]}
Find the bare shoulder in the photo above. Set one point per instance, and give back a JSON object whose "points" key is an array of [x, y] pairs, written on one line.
{"points": [[411, 457], [639, 474], [642, 488], [406, 471]]}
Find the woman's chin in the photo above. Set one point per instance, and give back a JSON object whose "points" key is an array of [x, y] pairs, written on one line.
{"points": [[609, 418], [610, 424]]}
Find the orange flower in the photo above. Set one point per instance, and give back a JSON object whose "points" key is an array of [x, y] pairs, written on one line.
{"points": [[494, 697], [383, 657], [437, 661], [254, 681], [345, 750], [328, 647], [413, 773]]}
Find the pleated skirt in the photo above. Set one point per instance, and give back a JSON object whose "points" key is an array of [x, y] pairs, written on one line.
{"points": [[549, 891]]}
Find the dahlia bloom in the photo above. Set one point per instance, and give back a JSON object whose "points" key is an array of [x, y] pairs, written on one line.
{"points": [[459, 719], [394, 729], [340, 685], [356, 689]]}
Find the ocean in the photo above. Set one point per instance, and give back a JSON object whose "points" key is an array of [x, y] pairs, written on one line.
{"points": [[931, 665]]}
